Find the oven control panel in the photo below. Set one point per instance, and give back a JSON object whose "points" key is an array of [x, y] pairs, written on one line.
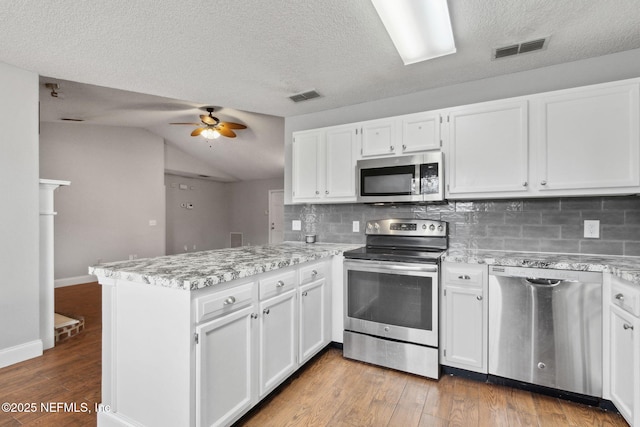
{"points": [[407, 227]]}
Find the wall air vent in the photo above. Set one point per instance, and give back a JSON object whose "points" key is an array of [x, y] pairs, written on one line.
{"points": [[304, 96], [524, 47]]}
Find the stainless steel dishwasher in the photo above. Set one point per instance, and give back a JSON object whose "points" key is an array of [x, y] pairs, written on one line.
{"points": [[545, 327]]}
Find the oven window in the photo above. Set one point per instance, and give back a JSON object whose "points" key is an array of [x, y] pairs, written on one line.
{"points": [[392, 299]]}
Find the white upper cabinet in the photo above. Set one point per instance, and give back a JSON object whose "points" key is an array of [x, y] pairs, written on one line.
{"points": [[400, 135], [420, 132], [324, 164], [587, 140], [306, 164], [379, 137], [341, 147], [487, 149]]}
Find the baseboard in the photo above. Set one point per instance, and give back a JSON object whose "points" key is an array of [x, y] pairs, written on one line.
{"points": [[78, 280], [18, 353]]}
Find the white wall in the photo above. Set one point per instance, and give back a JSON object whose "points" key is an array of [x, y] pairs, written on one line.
{"points": [[117, 187], [249, 206], [19, 216], [601, 69], [206, 226], [177, 162]]}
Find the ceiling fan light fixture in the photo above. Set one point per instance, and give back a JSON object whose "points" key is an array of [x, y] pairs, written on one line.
{"points": [[210, 133], [420, 30]]}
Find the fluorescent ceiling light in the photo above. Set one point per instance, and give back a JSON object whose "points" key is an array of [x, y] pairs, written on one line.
{"points": [[420, 29]]}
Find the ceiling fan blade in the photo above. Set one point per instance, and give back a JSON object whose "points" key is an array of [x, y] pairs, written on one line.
{"points": [[191, 124], [197, 131], [225, 131], [232, 125], [208, 119]]}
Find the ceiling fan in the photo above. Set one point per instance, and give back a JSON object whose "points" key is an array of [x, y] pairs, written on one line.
{"points": [[211, 127]]}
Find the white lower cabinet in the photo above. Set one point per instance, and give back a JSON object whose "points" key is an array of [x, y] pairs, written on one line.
{"points": [[624, 349], [277, 340], [313, 318], [464, 316], [224, 361]]}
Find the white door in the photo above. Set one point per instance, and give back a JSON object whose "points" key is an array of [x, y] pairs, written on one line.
{"points": [[488, 149], [341, 145], [464, 344], [312, 319], [276, 216], [420, 132], [224, 357], [588, 139], [378, 138], [625, 352], [278, 349], [307, 156]]}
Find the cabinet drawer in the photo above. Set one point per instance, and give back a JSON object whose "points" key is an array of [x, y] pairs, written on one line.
{"points": [[277, 284], [465, 275], [224, 302], [626, 296], [313, 272]]}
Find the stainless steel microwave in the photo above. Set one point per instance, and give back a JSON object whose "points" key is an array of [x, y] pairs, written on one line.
{"points": [[402, 179]]}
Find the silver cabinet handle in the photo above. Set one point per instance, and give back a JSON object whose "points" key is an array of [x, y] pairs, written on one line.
{"points": [[314, 273], [326, 191], [464, 277], [404, 147], [391, 148], [230, 300], [265, 311], [620, 297], [525, 184], [279, 284], [627, 326], [317, 192], [479, 297], [304, 294], [254, 315], [543, 182]]}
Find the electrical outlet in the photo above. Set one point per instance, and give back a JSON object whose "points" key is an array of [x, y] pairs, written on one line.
{"points": [[592, 229], [356, 226], [296, 225]]}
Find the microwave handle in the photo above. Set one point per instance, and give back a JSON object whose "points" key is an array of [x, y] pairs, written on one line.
{"points": [[415, 186]]}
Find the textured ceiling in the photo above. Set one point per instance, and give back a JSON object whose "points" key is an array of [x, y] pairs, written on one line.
{"points": [[250, 55]]}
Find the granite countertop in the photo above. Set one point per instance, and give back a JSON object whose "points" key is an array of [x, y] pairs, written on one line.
{"points": [[196, 270], [625, 267]]}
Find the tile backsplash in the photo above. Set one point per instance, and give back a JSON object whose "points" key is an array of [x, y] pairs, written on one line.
{"points": [[538, 225]]}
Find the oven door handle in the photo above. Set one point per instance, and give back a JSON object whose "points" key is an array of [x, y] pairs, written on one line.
{"points": [[404, 267]]}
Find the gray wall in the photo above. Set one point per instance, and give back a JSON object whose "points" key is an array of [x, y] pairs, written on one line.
{"points": [[218, 209], [19, 216], [249, 206], [206, 226], [616, 66], [117, 187], [541, 225]]}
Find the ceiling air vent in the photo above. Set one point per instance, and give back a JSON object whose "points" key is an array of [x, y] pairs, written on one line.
{"points": [[524, 47], [304, 96]]}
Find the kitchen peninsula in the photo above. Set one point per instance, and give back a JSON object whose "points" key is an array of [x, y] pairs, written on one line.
{"points": [[199, 338]]}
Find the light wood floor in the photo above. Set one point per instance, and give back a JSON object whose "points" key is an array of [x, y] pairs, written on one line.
{"points": [[329, 391]]}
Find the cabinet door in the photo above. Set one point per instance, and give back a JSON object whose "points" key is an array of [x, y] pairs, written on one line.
{"points": [[340, 147], [625, 364], [278, 343], [487, 150], [420, 132], [306, 171], [313, 319], [224, 355], [379, 137], [465, 325], [588, 140]]}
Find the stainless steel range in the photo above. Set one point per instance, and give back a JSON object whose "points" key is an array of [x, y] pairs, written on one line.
{"points": [[391, 295]]}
